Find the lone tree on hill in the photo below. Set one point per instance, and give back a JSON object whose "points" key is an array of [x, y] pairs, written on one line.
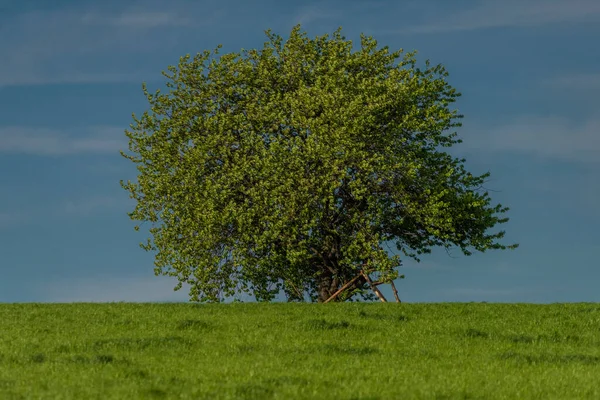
{"points": [[291, 167]]}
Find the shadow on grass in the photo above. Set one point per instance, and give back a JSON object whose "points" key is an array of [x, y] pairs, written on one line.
{"points": [[252, 391], [141, 343], [286, 381], [365, 398], [550, 358], [156, 393], [383, 317], [41, 358], [266, 388], [137, 374], [96, 359], [341, 350], [552, 338], [192, 324], [321, 324], [555, 337], [476, 333], [460, 395], [38, 358], [245, 349]]}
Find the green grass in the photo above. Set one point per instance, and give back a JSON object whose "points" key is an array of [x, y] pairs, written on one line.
{"points": [[299, 351]]}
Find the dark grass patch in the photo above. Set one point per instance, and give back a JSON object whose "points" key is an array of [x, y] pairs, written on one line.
{"points": [[38, 358], [476, 333], [79, 359], [253, 391], [347, 350], [370, 397], [140, 343], [104, 358], [523, 339], [383, 317], [550, 358], [156, 393], [192, 324], [137, 374], [63, 348], [286, 381], [322, 324], [428, 354], [558, 338], [176, 381], [552, 338], [460, 395], [97, 359], [245, 349]]}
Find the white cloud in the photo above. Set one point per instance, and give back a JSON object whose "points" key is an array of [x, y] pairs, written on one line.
{"points": [[510, 13], [51, 142], [546, 137]]}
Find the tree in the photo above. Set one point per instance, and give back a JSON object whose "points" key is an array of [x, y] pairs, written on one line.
{"points": [[290, 168]]}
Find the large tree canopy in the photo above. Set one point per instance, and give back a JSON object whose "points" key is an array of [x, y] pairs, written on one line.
{"points": [[290, 168]]}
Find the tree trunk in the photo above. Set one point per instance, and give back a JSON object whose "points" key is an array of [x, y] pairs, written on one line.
{"points": [[324, 286], [328, 285]]}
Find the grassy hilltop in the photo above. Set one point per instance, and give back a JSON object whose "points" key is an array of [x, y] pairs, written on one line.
{"points": [[300, 351]]}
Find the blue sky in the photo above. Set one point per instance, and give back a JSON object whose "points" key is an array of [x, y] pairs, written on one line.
{"points": [[71, 75]]}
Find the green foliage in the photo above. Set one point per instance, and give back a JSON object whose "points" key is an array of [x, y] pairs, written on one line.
{"points": [[290, 167], [299, 351]]}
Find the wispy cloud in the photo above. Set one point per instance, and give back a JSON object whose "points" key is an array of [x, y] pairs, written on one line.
{"points": [[90, 205], [51, 142], [114, 289], [29, 78], [311, 13], [575, 81], [510, 13], [426, 265], [335, 11], [482, 292], [87, 45], [138, 19], [508, 294], [101, 289], [547, 137], [11, 218], [78, 207], [572, 192]]}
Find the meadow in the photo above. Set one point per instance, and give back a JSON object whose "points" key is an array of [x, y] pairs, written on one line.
{"points": [[299, 351]]}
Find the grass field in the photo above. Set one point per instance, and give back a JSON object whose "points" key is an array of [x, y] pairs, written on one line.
{"points": [[300, 351]]}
